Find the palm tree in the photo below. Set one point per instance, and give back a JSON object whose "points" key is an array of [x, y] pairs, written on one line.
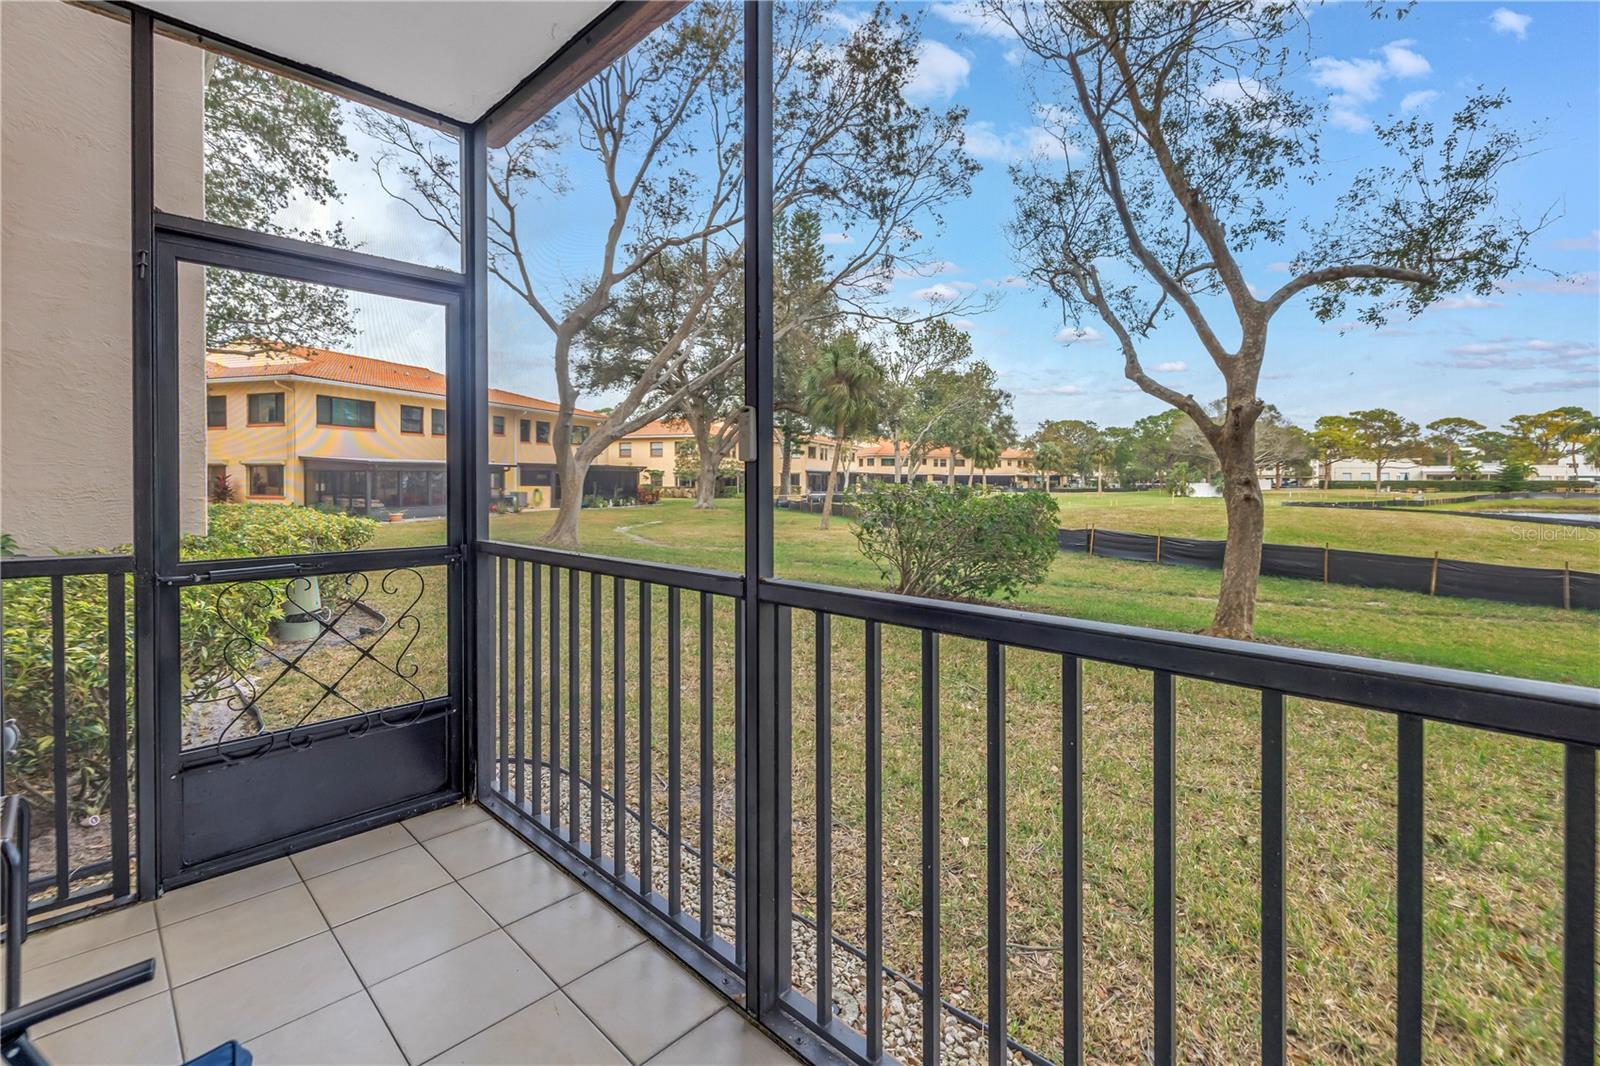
{"points": [[841, 390], [984, 449]]}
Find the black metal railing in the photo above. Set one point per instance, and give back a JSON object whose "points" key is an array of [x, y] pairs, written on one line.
{"points": [[575, 727], [551, 611], [67, 699]]}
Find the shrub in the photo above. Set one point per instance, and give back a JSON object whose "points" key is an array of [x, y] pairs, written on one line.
{"points": [[208, 641], [933, 540], [1513, 477]]}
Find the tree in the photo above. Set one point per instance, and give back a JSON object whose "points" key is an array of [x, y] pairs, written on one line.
{"points": [[269, 141], [801, 295], [1190, 144], [921, 378], [1382, 436], [1181, 477], [984, 448], [1077, 439], [1452, 434], [842, 387], [659, 130], [1561, 433], [1332, 439], [1050, 458]]}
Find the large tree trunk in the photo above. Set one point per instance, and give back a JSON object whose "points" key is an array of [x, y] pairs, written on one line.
{"points": [[788, 462], [1241, 564], [833, 472], [572, 471]]}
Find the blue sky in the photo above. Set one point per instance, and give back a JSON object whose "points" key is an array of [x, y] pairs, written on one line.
{"points": [[1534, 346]]}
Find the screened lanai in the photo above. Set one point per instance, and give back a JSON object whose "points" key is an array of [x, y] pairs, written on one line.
{"points": [[338, 732]]}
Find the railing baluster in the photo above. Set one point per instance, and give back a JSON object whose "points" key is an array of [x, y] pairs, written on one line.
{"points": [[574, 697], [58, 720], [995, 715], [674, 751], [1578, 902], [574, 710], [740, 709], [1071, 860], [874, 798], [596, 640], [521, 670], [503, 647], [619, 730], [117, 712], [1408, 892], [555, 660], [707, 780], [535, 609], [646, 786], [1273, 1004], [824, 817], [1165, 766], [932, 1012]]}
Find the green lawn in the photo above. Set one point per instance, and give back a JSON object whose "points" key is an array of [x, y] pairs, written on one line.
{"points": [[1494, 816]]}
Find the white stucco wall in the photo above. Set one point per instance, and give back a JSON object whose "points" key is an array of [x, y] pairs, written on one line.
{"points": [[66, 456]]}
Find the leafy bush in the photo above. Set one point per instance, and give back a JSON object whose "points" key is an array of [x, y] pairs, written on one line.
{"points": [[208, 642], [1513, 477], [934, 540]]}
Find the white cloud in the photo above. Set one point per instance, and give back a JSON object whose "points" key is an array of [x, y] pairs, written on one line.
{"points": [[1579, 244], [1347, 116], [1356, 78], [1403, 62], [1175, 366], [985, 141], [1419, 99], [1079, 335], [1578, 385], [1532, 353], [1509, 22], [941, 70], [836, 238], [1280, 267], [924, 270], [1233, 91], [973, 19], [1052, 390], [1583, 284], [943, 292], [1464, 303]]}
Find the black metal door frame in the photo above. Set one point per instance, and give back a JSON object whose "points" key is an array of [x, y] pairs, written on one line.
{"points": [[344, 778]]}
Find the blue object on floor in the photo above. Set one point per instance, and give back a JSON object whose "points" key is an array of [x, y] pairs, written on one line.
{"points": [[230, 1054]]}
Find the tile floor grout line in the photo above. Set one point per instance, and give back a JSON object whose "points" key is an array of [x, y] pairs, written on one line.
{"points": [[553, 992], [166, 971], [598, 1028], [109, 943], [246, 899], [362, 981], [696, 1027]]}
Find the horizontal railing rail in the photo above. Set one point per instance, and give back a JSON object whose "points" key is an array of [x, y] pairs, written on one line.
{"points": [[573, 722], [65, 660]]}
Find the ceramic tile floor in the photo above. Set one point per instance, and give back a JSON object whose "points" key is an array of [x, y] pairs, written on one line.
{"points": [[444, 939]]}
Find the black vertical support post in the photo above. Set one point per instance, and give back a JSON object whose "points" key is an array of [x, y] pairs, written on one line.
{"points": [[874, 859], [764, 832], [117, 712], [932, 1011], [646, 777], [596, 639], [1071, 860], [536, 645], [1273, 1003], [58, 732], [708, 781], [1165, 767], [555, 656], [467, 483], [995, 839], [674, 750], [142, 159], [824, 817], [1578, 900], [502, 746], [1408, 891], [519, 608], [784, 680], [574, 703], [574, 697], [619, 727]]}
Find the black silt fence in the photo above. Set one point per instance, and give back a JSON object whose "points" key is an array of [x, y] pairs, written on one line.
{"points": [[1535, 586]]}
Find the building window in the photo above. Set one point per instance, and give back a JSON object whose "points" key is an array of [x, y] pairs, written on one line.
{"points": [[499, 425], [869, 461], [625, 450], [580, 434], [216, 479], [216, 412], [264, 409], [811, 453], [961, 462], [656, 449], [438, 422], [497, 481], [266, 480], [525, 431], [410, 419], [345, 412], [543, 432]]}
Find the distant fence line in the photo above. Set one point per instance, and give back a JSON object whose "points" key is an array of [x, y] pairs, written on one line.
{"points": [[1537, 586]]}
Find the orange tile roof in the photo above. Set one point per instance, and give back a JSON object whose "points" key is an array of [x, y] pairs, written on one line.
{"points": [[679, 427], [320, 364]]}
